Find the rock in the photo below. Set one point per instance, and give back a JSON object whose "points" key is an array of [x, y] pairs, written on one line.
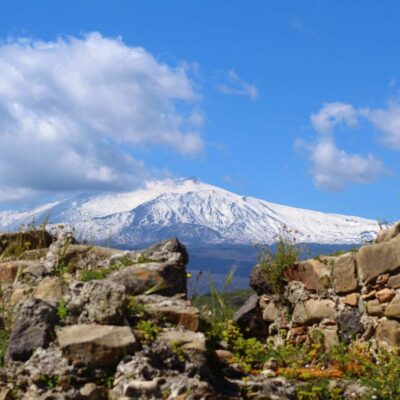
{"points": [[388, 333], [18, 295], [50, 290], [93, 392], [96, 345], [313, 310], [97, 302], [29, 240], [271, 312], [224, 356], [345, 274], [376, 259], [33, 328], [393, 309], [374, 308], [315, 274], [249, 317], [175, 311], [329, 336], [258, 282], [143, 389], [394, 281], [9, 270], [385, 295], [388, 234], [191, 343], [162, 278], [169, 251], [350, 325], [382, 279], [6, 394], [351, 299], [297, 335]]}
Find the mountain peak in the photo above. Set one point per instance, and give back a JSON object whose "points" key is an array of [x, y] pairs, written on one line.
{"points": [[194, 211]]}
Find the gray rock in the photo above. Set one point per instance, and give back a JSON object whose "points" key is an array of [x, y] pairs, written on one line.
{"points": [[388, 334], [313, 310], [33, 328], [258, 282], [169, 251], [96, 345], [97, 302], [162, 278], [350, 325], [250, 318]]}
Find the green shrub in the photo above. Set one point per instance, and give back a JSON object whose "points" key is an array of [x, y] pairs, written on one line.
{"points": [[62, 310], [274, 264]]}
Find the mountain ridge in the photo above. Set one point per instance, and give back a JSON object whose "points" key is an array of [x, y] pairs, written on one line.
{"points": [[194, 211]]}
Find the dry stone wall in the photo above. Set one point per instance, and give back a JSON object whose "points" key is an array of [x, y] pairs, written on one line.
{"points": [[355, 295]]}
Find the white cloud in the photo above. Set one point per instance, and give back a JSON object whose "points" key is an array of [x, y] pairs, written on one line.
{"points": [[388, 121], [332, 114], [72, 110], [333, 168], [236, 86]]}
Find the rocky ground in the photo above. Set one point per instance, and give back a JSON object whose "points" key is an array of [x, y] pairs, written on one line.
{"points": [[87, 322]]}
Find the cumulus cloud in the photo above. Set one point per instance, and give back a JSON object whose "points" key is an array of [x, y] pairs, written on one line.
{"points": [[73, 111], [333, 168], [236, 86], [332, 114], [387, 121]]}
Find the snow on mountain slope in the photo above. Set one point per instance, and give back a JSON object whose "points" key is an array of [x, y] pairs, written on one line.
{"points": [[195, 212]]}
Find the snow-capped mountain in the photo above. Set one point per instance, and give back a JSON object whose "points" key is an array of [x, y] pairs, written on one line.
{"points": [[193, 211]]}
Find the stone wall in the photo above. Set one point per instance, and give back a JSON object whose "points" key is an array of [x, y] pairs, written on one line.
{"points": [[355, 295]]}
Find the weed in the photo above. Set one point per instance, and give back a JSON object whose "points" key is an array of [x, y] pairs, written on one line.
{"points": [[177, 349], [148, 329], [275, 264], [62, 310]]}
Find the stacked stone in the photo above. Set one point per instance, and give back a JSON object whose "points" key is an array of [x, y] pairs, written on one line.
{"points": [[74, 339], [353, 296]]}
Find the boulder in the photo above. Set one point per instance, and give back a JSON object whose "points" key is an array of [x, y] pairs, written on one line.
{"points": [[191, 343], [143, 389], [313, 310], [172, 310], [169, 251], [374, 308], [9, 270], [385, 295], [315, 274], [33, 328], [393, 309], [96, 345], [50, 289], [388, 234], [350, 325], [271, 312], [345, 274], [258, 282], [29, 240], [162, 278], [388, 333], [376, 259], [97, 302], [351, 299], [250, 319], [329, 336], [394, 281]]}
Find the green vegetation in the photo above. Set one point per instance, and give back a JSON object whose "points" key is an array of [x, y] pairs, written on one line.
{"points": [[148, 329], [274, 264], [62, 310]]}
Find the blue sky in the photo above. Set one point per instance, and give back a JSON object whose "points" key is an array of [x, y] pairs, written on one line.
{"points": [[296, 102]]}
